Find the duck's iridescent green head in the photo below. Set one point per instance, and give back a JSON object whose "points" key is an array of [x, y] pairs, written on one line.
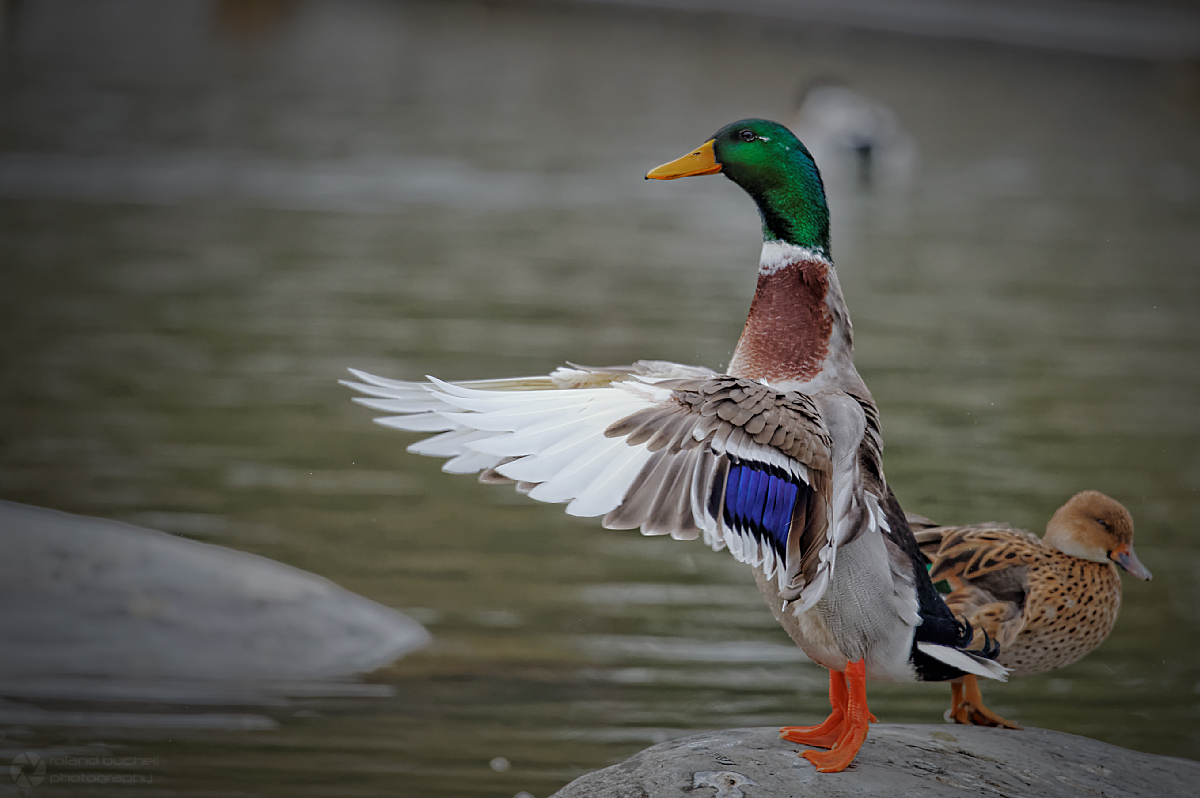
{"points": [[775, 169]]}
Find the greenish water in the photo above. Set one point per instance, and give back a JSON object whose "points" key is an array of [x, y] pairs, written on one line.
{"points": [[205, 217]]}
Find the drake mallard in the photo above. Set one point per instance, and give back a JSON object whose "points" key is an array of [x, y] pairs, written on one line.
{"points": [[1047, 602], [777, 460]]}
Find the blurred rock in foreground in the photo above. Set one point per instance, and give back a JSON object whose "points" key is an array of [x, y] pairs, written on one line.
{"points": [[88, 597], [897, 759]]}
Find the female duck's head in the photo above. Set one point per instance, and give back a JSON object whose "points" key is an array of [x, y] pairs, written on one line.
{"points": [[775, 169], [1093, 526]]}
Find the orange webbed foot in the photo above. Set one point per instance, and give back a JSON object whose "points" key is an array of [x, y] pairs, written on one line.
{"points": [[844, 731], [843, 752], [826, 733], [966, 706]]}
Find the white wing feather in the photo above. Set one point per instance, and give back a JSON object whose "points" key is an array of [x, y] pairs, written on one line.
{"points": [[547, 434]]}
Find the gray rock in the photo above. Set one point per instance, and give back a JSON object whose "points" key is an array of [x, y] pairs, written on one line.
{"points": [[89, 597], [896, 760]]}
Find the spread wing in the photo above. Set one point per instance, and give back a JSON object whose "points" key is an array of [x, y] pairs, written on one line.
{"points": [[674, 450]]}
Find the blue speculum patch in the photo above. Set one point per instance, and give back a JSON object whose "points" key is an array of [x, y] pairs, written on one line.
{"points": [[759, 499]]}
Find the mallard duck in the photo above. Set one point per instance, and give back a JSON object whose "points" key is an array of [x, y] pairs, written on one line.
{"points": [[1046, 601], [848, 132], [778, 459]]}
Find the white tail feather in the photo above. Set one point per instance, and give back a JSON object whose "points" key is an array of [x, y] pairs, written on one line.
{"points": [[966, 661]]}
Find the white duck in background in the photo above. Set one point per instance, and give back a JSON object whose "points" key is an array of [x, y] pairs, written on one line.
{"points": [[856, 140]]}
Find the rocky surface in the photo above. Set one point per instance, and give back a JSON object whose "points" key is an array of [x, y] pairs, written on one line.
{"points": [[896, 760]]}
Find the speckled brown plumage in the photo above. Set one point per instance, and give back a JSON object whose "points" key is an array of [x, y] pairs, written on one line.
{"points": [[1045, 608], [1046, 601]]}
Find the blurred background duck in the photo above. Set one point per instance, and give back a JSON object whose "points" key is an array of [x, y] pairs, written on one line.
{"points": [[1047, 601], [855, 139]]}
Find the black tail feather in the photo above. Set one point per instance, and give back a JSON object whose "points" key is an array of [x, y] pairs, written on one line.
{"points": [[938, 624]]}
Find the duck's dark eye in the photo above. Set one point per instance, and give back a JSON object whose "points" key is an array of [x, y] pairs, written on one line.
{"points": [[747, 135], [1102, 522]]}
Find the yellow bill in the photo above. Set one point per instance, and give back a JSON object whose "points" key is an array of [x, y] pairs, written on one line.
{"points": [[701, 161]]}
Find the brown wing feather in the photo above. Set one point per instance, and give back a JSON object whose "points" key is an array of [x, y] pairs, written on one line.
{"points": [[987, 567], [736, 417], [786, 420], [969, 552]]}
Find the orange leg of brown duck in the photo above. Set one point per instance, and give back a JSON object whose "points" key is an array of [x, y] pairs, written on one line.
{"points": [[966, 705], [846, 727]]}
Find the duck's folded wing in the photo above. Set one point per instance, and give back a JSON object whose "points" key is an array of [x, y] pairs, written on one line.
{"points": [[674, 450], [988, 568], [971, 553]]}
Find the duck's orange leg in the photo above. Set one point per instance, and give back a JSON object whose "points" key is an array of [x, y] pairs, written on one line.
{"points": [[826, 733], [966, 705], [854, 725], [845, 728]]}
